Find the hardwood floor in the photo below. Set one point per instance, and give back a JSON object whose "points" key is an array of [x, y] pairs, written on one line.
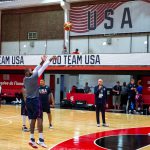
{"points": [[67, 124]]}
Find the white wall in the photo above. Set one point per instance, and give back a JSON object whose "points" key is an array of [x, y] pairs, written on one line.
{"points": [[42, 47], [47, 79], [149, 43], [118, 45], [66, 83], [10, 48], [32, 47], [70, 80], [79, 42], [55, 47], [139, 44], [92, 45]]}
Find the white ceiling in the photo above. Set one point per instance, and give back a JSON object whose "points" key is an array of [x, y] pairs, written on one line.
{"points": [[27, 3]]}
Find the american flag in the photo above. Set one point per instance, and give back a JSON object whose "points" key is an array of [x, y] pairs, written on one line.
{"points": [[79, 15]]}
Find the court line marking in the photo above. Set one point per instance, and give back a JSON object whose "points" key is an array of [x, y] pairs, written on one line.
{"points": [[6, 124], [117, 135], [143, 147], [7, 119], [93, 133], [10, 117]]}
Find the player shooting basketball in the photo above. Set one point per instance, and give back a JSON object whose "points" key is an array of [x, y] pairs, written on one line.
{"points": [[32, 100]]}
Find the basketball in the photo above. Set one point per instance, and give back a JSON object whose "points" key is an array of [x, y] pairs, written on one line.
{"points": [[67, 26]]}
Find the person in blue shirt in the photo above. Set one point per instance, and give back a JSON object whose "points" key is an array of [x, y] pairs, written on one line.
{"points": [[138, 97], [100, 102], [46, 98], [139, 88]]}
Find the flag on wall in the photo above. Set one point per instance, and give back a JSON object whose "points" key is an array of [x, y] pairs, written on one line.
{"points": [[107, 18]]}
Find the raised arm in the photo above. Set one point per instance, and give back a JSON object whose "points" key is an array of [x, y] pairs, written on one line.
{"points": [[36, 68], [45, 65], [43, 59]]}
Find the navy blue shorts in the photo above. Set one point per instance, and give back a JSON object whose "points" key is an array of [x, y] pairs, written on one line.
{"points": [[46, 108], [34, 108], [45, 105]]}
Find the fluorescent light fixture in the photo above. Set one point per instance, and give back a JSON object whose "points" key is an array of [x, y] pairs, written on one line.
{"points": [[50, 1], [104, 43]]}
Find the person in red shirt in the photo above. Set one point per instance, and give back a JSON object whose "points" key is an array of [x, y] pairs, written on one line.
{"points": [[73, 89], [76, 51]]}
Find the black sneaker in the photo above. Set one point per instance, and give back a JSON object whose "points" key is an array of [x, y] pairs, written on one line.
{"points": [[25, 129], [50, 126]]}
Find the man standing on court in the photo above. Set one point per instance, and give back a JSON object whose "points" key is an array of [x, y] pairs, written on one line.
{"points": [[131, 95], [46, 97], [33, 104], [100, 102]]}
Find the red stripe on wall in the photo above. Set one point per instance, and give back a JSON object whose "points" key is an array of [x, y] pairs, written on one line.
{"points": [[82, 68]]}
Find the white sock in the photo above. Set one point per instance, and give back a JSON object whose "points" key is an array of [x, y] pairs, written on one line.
{"points": [[32, 136], [41, 135], [29, 121], [24, 120]]}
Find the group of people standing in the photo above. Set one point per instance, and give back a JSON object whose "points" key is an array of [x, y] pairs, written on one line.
{"points": [[129, 95]]}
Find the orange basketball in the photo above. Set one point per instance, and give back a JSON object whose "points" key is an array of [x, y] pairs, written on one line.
{"points": [[67, 26]]}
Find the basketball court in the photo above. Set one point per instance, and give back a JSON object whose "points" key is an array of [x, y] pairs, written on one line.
{"points": [[77, 130], [92, 39]]}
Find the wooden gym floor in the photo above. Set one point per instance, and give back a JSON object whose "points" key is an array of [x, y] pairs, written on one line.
{"points": [[67, 124]]}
